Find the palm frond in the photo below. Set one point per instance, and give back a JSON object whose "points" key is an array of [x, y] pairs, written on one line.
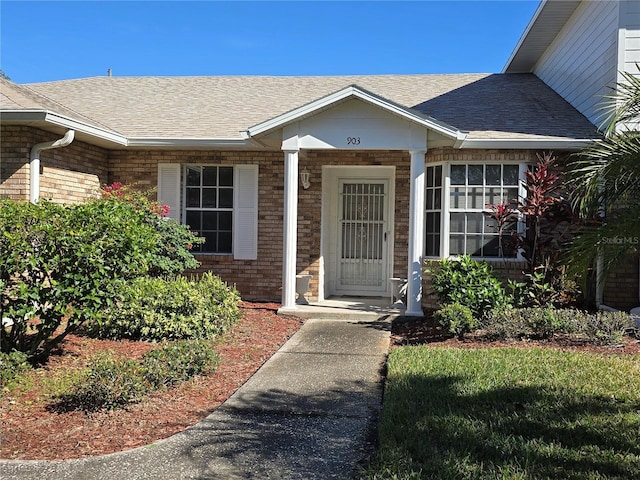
{"points": [[622, 105]]}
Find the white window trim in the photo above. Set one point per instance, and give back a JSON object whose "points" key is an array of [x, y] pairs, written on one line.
{"points": [[446, 209]]}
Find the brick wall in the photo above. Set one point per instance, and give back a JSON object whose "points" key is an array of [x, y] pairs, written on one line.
{"points": [[262, 279], [259, 279], [448, 154], [621, 287], [67, 175], [15, 146]]}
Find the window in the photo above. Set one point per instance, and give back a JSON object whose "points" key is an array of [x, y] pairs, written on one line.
{"points": [[209, 206], [433, 210], [471, 188]]}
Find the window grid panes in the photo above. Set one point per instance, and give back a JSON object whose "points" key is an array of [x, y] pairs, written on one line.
{"points": [[433, 202], [472, 188], [209, 206]]}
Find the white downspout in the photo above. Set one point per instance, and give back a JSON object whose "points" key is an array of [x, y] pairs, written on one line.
{"points": [[34, 165]]}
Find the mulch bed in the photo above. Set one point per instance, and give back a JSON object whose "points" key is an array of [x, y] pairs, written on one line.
{"points": [[31, 429]]}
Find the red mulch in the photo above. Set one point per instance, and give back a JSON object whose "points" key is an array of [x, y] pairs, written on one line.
{"points": [[31, 430]]}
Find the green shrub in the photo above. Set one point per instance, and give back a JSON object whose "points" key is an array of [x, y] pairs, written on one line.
{"points": [[607, 328], [602, 328], [65, 263], [525, 323], [171, 255], [109, 382], [178, 361], [456, 319], [12, 365], [156, 309], [470, 283]]}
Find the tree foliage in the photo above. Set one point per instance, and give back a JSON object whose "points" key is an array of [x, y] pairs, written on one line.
{"points": [[171, 255]]}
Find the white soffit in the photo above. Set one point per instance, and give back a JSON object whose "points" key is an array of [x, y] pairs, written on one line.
{"points": [[347, 93], [547, 21]]}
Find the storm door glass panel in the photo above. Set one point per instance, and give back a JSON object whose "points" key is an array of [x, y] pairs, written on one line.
{"points": [[362, 230]]}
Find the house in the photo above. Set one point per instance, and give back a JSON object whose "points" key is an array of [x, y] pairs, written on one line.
{"points": [[580, 49], [351, 179]]}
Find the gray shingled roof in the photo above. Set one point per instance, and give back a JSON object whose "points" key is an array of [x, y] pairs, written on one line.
{"points": [[499, 106]]}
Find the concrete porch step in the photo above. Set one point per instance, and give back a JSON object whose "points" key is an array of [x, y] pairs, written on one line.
{"points": [[347, 308]]}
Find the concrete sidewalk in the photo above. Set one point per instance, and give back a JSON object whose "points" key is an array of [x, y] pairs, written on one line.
{"points": [[308, 413]]}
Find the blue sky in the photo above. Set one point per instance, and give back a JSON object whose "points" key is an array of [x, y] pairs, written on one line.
{"points": [[51, 40]]}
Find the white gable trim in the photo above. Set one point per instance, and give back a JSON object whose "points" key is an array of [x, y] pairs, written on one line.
{"points": [[347, 93]]}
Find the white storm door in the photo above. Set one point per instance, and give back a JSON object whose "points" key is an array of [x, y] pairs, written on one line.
{"points": [[362, 237]]}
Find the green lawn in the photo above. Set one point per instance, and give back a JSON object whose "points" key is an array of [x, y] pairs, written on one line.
{"points": [[509, 413]]}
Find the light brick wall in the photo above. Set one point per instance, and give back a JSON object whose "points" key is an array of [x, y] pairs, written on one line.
{"points": [[481, 156], [15, 146], [259, 279], [262, 279], [68, 175], [73, 173]]}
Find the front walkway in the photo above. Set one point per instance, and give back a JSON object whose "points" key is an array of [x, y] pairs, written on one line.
{"points": [[308, 413]]}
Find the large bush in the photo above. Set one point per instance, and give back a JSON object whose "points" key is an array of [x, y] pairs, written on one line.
{"points": [[158, 309], [62, 265], [470, 283]]}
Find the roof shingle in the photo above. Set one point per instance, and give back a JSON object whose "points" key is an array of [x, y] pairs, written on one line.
{"points": [[500, 106]]}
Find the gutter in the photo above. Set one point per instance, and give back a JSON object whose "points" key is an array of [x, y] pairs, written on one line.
{"points": [[34, 164]]}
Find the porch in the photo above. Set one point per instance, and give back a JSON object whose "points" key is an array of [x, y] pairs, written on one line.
{"points": [[348, 308]]}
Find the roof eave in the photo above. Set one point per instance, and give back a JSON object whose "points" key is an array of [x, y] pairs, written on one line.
{"points": [[47, 117], [529, 143], [545, 24], [196, 143]]}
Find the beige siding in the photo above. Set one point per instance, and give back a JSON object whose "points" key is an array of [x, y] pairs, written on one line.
{"points": [[582, 61]]}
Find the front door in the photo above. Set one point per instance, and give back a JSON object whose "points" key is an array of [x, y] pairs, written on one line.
{"points": [[363, 231]]}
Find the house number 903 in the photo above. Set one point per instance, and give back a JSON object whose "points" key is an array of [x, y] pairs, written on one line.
{"points": [[353, 140]]}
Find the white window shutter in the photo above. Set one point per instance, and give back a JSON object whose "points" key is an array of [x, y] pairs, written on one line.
{"points": [[169, 188], [245, 213]]}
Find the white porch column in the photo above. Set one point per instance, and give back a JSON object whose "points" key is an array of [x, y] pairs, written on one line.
{"points": [[290, 229], [416, 234]]}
